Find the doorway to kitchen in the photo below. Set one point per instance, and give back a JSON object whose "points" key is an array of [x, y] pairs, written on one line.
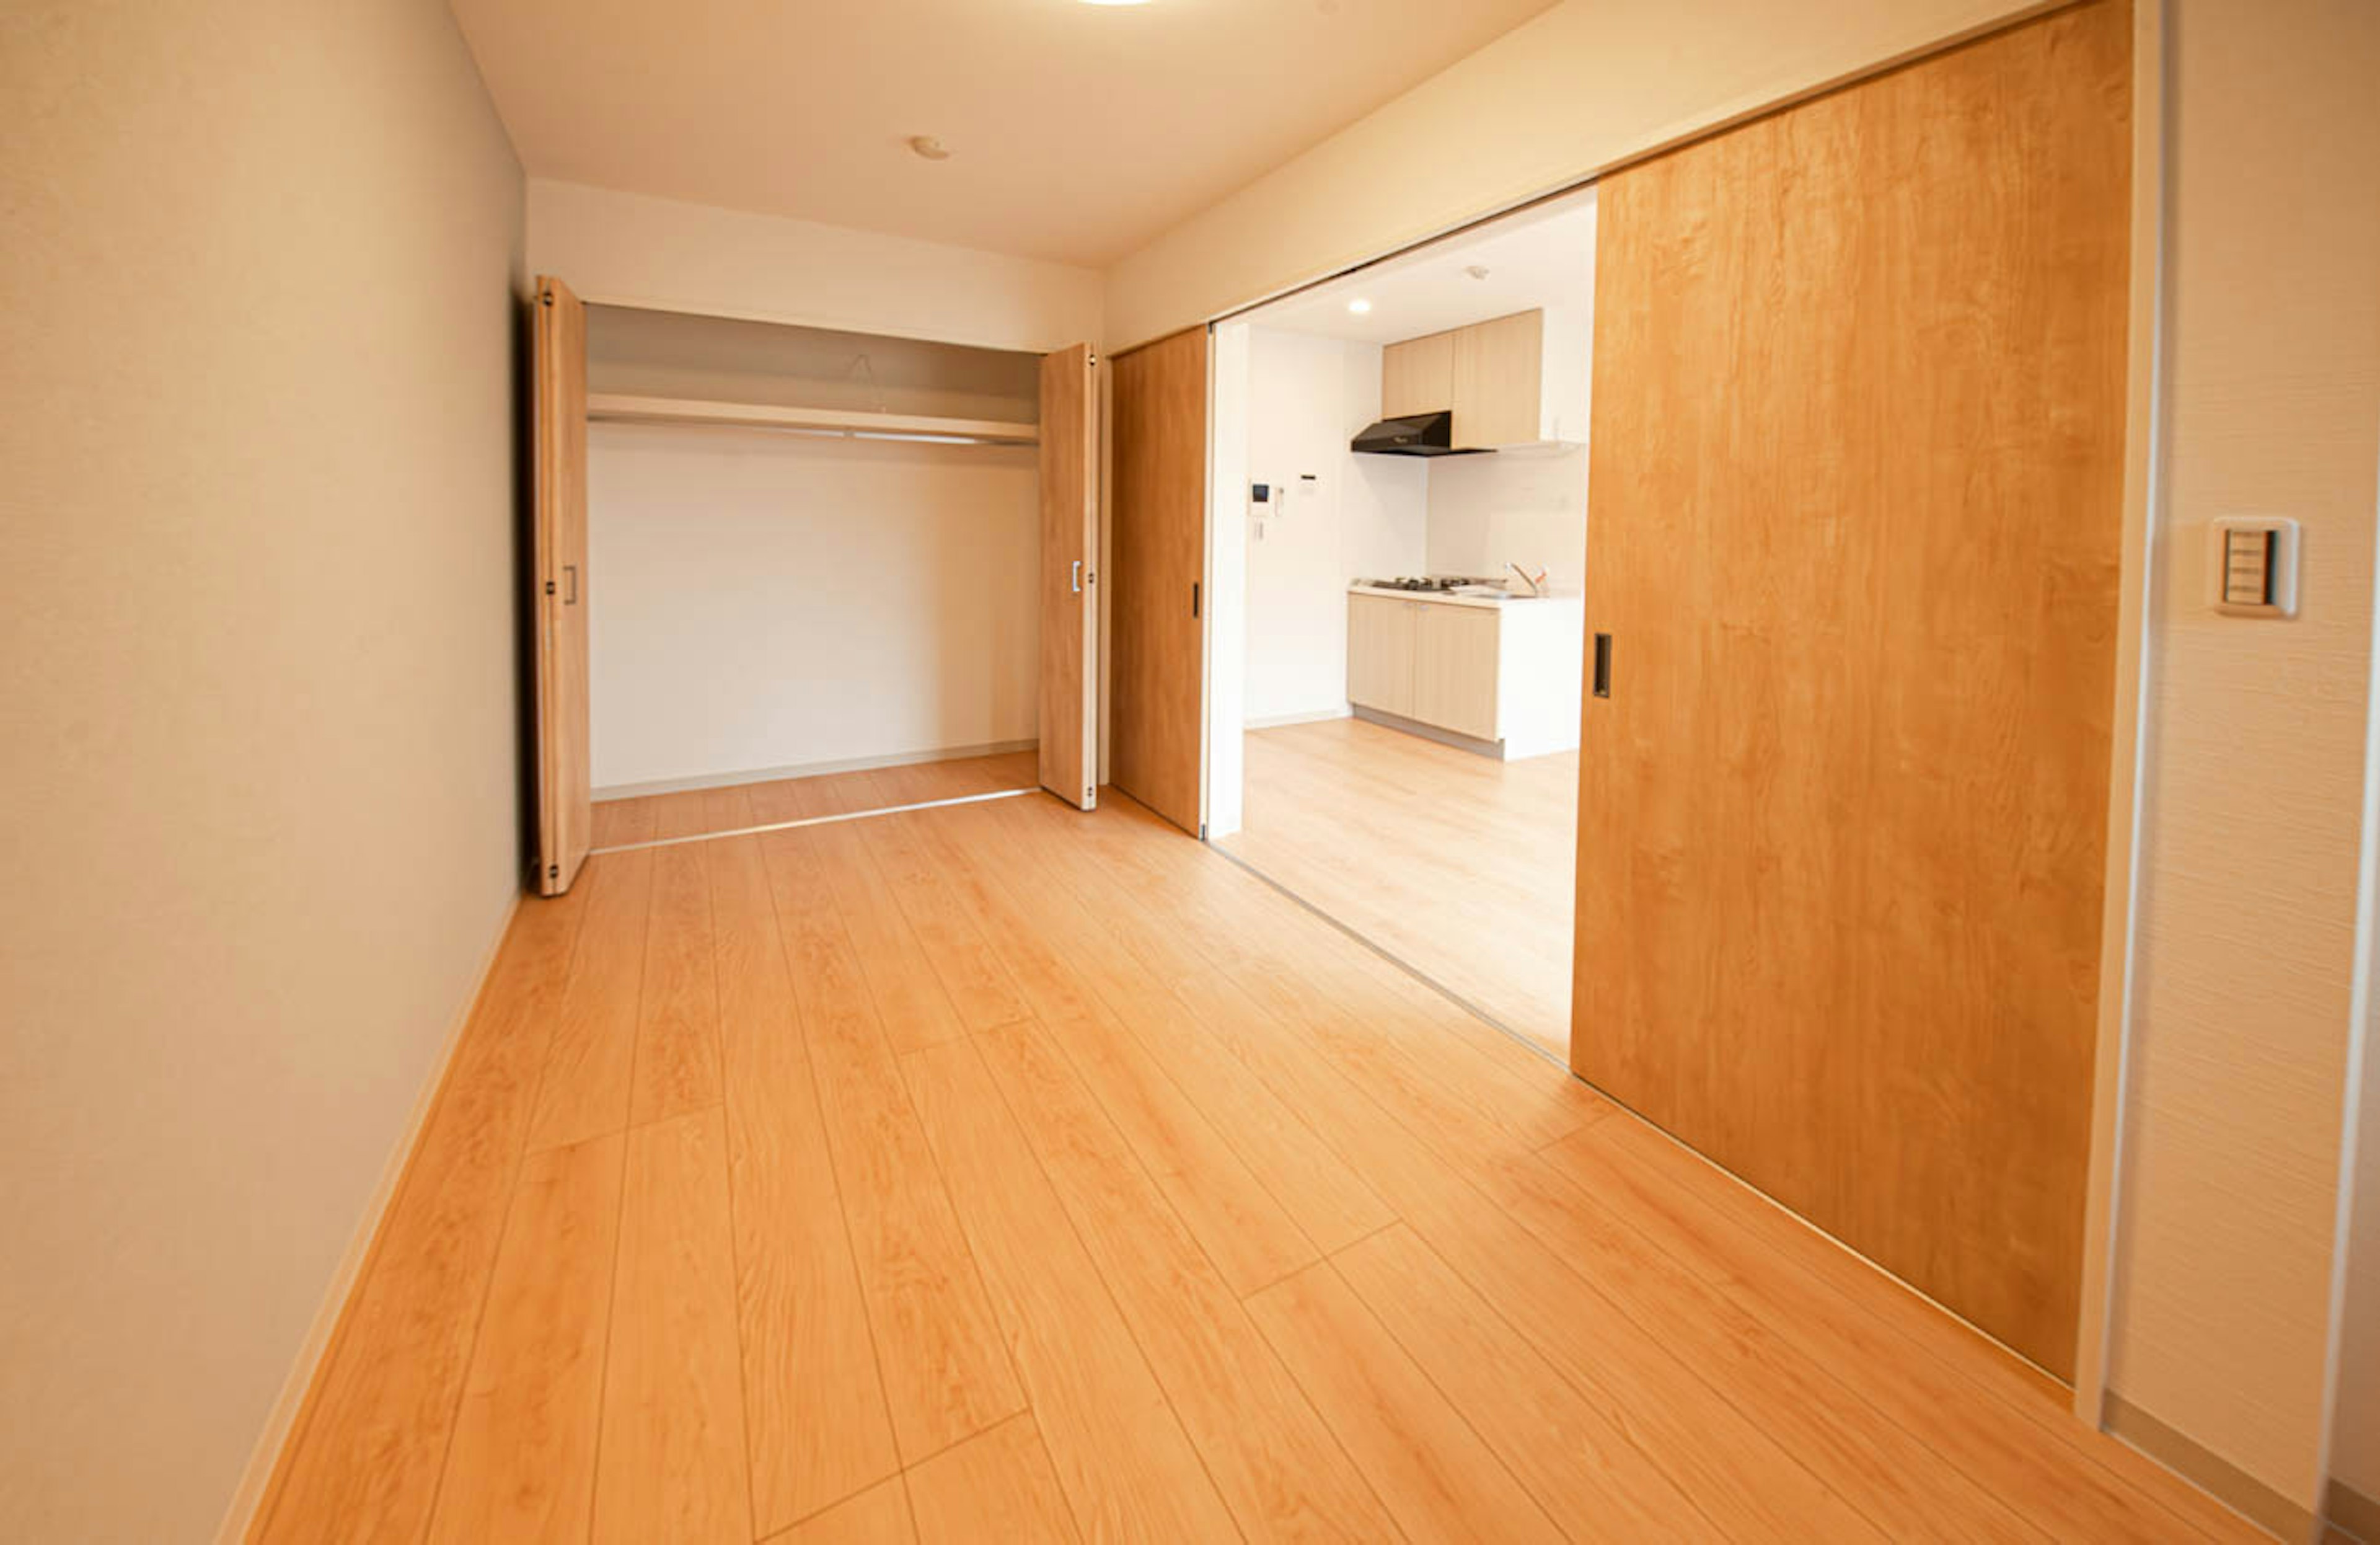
{"points": [[1399, 550]]}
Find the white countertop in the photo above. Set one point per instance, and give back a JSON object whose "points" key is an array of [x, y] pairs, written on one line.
{"points": [[1442, 598]]}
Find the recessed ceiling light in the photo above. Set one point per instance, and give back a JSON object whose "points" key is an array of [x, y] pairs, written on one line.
{"points": [[1359, 306], [930, 146]]}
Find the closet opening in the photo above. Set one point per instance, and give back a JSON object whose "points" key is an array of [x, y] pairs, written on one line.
{"points": [[813, 575]]}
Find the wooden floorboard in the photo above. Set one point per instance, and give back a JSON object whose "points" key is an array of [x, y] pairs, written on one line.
{"points": [[1437, 1475], [1457, 863], [1128, 1470], [807, 1346], [1274, 1460], [1015, 1172], [999, 1486], [946, 1371], [522, 1462], [672, 1462]]}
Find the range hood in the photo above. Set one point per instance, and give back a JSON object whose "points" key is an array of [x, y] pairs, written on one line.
{"points": [[1414, 434]]}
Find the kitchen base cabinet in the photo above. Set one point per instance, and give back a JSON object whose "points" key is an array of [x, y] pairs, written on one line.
{"points": [[1499, 677], [1380, 653], [1454, 654]]}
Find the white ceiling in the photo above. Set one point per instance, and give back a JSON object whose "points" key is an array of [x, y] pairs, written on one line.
{"points": [[1543, 256], [1078, 132]]}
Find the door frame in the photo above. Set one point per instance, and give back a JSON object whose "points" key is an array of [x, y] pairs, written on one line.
{"points": [[2146, 402]]}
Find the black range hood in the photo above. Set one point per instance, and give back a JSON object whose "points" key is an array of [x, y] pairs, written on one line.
{"points": [[1414, 434]]}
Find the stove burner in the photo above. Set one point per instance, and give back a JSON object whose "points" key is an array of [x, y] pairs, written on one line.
{"points": [[1435, 583]]}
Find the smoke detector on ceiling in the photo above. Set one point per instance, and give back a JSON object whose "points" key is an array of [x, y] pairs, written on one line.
{"points": [[930, 146], [1477, 270]]}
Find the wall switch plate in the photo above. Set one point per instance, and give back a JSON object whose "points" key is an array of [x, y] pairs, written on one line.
{"points": [[2252, 566]]}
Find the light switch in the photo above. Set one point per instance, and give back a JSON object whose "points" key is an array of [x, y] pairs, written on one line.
{"points": [[2253, 567]]}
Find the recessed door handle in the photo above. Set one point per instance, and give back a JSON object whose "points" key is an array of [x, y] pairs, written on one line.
{"points": [[1603, 664], [570, 584], [1078, 576]]}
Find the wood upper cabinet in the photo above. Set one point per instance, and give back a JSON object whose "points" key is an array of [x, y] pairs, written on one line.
{"points": [[1418, 376], [1499, 380], [1514, 380]]}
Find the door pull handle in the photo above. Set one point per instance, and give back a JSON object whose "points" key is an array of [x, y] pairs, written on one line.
{"points": [[1603, 664], [1193, 598], [1078, 576], [570, 584]]}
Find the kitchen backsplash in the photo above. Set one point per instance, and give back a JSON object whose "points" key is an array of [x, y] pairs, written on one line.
{"points": [[1524, 507]]}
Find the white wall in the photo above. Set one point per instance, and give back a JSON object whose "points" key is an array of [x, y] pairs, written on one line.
{"points": [[2255, 786], [1586, 84], [259, 313], [1525, 506], [676, 256], [762, 600], [1362, 515]]}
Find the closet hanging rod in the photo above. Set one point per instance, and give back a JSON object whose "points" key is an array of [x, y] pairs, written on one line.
{"points": [[616, 407]]}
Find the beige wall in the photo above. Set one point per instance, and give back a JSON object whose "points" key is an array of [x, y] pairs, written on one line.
{"points": [[259, 824], [1580, 87], [627, 246], [2255, 785]]}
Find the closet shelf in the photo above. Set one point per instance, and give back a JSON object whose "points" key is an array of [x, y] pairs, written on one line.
{"points": [[619, 408]]}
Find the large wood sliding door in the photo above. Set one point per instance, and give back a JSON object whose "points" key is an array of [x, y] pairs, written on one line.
{"points": [[1070, 615], [1156, 568], [1856, 475], [565, 811]]}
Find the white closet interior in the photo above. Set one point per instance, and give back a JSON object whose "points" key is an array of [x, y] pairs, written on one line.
{"points": [[811, 549]]}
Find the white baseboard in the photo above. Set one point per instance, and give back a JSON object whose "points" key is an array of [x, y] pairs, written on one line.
{"points": [[257, 1478], [810, 769], [1283, 721]]}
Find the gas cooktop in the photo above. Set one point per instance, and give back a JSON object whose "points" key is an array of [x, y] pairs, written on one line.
{"points": [[1435, 582]]}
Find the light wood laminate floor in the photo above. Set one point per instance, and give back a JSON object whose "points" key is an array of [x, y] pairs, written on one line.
{"points": [[1457, 864], [694, 813], [1001, 1173]]}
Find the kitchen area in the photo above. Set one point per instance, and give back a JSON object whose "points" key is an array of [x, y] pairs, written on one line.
{"points": [[1403, 750]]}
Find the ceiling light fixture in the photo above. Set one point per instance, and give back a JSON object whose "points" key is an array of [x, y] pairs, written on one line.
{"points": [[1359, 306], [930, 146]]}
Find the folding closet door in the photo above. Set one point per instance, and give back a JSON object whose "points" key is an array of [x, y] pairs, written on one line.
{"points": [[1855, 543], [1070, 615], [1157, 707], [558, 394]]}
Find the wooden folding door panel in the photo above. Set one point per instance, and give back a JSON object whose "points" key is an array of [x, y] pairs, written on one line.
{"points": [[1157, 704], [564, 807], [1856, 536], [1070, 614]]}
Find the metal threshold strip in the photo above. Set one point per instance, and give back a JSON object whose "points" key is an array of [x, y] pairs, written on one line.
{"points": [[814, 821]]}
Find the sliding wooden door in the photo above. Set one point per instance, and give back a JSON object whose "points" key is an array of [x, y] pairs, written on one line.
{"points": [[1157, 708], [1070, 614], [564, 808], [1855, 536]]}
